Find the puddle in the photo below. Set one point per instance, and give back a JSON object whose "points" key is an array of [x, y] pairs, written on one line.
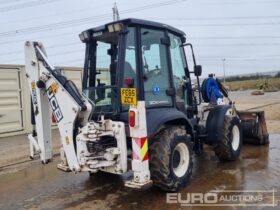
{"points": [[45, 187]]}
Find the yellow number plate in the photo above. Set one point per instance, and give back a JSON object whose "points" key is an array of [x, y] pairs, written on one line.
{"points": [[129, 96], [33, 85]]}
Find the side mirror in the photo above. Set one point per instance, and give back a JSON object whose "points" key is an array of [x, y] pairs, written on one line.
{"points": [[197, 70]]}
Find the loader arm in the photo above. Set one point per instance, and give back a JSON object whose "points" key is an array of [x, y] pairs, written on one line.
{"points": [[52, 92]]}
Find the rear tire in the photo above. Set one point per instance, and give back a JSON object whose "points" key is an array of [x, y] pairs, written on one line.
{"points": [[170, 158], [229, 148]]}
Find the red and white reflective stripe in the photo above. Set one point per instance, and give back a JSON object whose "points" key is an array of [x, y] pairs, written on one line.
{"points": [[140, 148]]}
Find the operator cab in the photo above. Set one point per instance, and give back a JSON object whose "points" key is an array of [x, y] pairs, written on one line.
{"points": [[139, 54]]}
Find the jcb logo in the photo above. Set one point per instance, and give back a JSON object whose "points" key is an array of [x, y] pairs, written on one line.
{"points": [[55, 107]]}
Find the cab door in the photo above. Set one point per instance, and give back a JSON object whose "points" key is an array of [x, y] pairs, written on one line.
{"points": [[180, 75], [155, 68]]}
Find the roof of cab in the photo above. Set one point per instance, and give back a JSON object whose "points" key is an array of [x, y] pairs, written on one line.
{"points": [[140, 22]]}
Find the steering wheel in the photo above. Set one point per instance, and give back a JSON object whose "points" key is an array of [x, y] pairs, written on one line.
{"points": [[152, 72]]}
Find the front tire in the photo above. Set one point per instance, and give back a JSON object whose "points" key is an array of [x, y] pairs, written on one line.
{"points": [[171, 159], [229, 148]]}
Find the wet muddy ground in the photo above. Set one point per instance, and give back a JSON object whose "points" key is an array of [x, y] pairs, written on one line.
{"points": [[44, 187], [26, 184]]}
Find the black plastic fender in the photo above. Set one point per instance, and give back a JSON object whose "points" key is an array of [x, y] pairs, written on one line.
{"points": [[215, 123], [156, 118]]}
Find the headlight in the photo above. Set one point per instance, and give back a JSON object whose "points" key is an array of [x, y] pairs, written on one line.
{"points": [[84, 36], [116, 27]]}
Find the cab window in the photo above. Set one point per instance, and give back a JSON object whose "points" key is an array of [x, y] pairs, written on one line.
{"points": [[129, 77], [155, 68], [178, 62]]}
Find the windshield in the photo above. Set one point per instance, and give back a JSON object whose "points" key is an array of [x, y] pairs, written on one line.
{"points": [[101, 73]]}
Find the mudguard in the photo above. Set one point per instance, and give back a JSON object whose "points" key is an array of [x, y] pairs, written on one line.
{"points": [[215, 123], [156, 118]]}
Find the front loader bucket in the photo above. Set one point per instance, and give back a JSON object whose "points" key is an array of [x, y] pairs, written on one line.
{"points": [[254, 127]]}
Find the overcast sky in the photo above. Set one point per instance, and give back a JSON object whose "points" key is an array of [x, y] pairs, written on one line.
{"points": [[246, 33]]}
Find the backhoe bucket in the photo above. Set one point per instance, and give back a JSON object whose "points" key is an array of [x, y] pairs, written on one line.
{"points": [[254, 127]]}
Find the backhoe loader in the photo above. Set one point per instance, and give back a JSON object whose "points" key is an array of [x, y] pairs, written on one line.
{"points": [[138, 111]]}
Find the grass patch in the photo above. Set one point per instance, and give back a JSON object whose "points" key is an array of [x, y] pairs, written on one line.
{"points": [[272, 83]]}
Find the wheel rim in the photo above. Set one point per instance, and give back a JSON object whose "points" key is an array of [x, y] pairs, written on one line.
{"points": [[180, 159], [235, 138]]}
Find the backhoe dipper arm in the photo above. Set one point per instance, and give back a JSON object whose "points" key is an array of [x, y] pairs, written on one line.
{"points": [[52, 92]]}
